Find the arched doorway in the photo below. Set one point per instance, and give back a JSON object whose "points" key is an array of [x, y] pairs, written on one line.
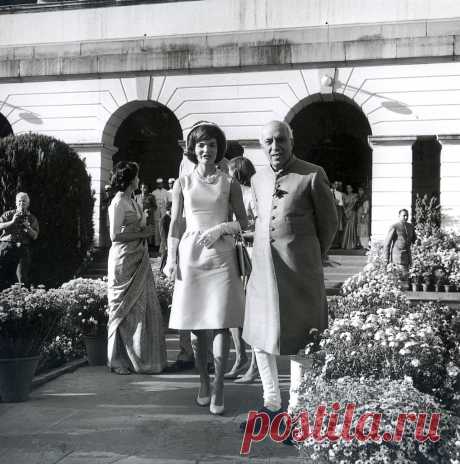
{"points": [[5, 127], [334, 135], [149, 135]]}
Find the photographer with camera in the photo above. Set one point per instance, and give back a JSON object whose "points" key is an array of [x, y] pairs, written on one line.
{"points": [[18, 227]]}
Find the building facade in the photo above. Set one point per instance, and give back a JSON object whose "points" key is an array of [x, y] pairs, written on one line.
{"points": [[370, 87]]}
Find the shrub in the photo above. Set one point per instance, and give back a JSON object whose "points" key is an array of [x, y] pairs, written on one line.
{"points": [[28, 319], [435, 253], [59, 188], [87, 305], [390, 398], [60, 350], [427, 218], [376, 286], [391, 343]]}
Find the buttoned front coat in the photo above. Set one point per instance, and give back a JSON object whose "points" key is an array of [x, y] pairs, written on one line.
{"points": [[295, 226], [397, 246]]}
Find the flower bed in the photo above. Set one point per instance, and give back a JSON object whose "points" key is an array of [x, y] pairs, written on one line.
{"points": [[386, 398], [383, 351], [28, 319], [87, 305], [435, 254]]}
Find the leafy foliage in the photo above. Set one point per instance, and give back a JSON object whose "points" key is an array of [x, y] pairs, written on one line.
{"points": [[87, 307], [28, 319], [59, 188], [427, 215], [388, 398]]}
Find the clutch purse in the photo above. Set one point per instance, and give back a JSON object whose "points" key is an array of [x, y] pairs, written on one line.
{"points": [[243, 259]]}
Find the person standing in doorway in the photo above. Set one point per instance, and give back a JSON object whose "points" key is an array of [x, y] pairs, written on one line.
{"points": [[171, 181], [338, 197], [149, 205], [363, 219], [161, 196], [349, 238]]}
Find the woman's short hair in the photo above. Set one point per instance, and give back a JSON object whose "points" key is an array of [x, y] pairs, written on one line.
{"points": [[243, 170], [123, 174], [204, 130]]}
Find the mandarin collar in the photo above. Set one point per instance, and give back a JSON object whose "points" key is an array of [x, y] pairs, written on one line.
{"points": [[285, 168]]}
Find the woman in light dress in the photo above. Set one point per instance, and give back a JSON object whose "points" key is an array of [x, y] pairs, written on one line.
{"points": [[136, 340], [242, 170], [363, 219], [208, 291], [349, 238]]}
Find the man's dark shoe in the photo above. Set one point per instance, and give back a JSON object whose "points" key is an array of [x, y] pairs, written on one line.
{"points": [[185, 365], [271, 415]]}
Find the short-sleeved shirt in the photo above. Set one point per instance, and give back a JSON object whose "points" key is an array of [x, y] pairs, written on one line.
{"points": [[16, 232]]}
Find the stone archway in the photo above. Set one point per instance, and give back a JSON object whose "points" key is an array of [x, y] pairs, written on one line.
{"points": [[5, 127], [333, 133], [148, 133]]}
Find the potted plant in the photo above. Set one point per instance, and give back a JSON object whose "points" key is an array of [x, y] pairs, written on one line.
{"points": [[415, 282], [454, 276], [426, 280], [440, 277], [88, 313], [28, 319], [446, 285]]}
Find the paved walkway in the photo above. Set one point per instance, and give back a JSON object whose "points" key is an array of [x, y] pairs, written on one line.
{"points": [[93, 417]]}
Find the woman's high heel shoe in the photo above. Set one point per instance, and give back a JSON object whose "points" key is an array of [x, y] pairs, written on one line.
{"points": [[202, 400], [215, 409], [249, 377], [236, 371]]}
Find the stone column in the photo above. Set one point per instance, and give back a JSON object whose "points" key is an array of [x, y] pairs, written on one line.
{"points": [[450, 181], [391, 180]]}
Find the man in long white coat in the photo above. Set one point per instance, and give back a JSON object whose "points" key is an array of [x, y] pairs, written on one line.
{"points": [[295, 226]]}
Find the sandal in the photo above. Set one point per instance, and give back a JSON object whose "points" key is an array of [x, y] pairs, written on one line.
{"points": [[120, 370]]}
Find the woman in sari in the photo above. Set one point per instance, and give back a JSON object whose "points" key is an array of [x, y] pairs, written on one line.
{"points": [[349, 238], [135, 332], [362, 211]]}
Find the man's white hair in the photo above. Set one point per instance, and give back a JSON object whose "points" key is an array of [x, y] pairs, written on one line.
{"points": [[22, 194], [281, 123]]}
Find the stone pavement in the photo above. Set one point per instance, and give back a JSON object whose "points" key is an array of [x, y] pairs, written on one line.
{"points": [[93, 417]]}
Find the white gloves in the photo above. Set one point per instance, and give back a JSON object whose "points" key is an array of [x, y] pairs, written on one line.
{"points": [[209, 237], [206, 239], [171, 262]]}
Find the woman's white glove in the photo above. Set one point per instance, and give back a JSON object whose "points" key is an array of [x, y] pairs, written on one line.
{"points": [[171, 262], [209, 237]]}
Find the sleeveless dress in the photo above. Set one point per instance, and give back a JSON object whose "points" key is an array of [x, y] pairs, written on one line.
{"points": [[208, 291], [135, 331]]}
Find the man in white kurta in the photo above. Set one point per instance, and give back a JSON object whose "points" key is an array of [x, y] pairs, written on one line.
{"points": [[295, 226], [161, 196]]}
